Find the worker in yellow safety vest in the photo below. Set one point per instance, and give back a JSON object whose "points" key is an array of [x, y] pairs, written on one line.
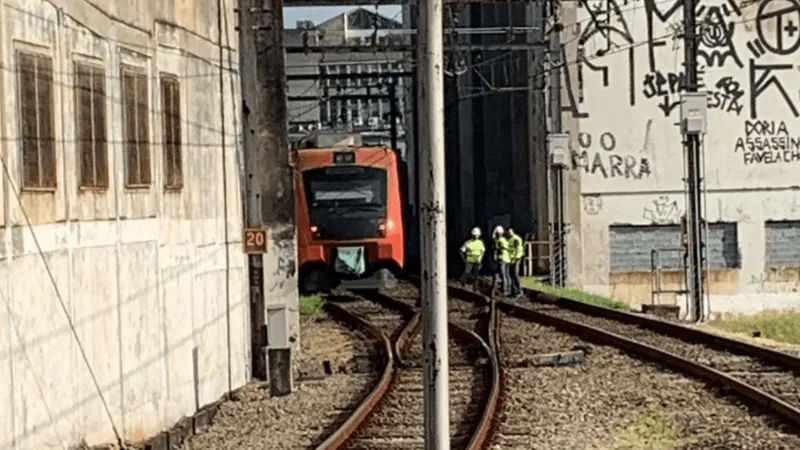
{"points": [[502, 257], [472, 253], [516, 253]]}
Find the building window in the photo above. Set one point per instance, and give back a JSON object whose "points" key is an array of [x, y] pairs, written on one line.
{"points": [[171, 104], [90, 125], [37, 120], [631, 247], [136, 128], [723, 246], [782, 244]]}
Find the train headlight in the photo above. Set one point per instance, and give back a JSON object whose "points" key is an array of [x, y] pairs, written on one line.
{"points": [[384, 226]]}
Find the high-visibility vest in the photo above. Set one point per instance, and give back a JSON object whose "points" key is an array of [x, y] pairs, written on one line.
{"points": [[502, 249], [474, 250], [517, 249]]}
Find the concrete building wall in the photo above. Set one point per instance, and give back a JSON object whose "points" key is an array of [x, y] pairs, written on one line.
{"points": [[621, 102], [143, 273]]}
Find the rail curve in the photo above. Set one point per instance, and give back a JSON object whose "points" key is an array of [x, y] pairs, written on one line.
{"points": [[771, 403], [359, 415], [393, 351], [746, 391]]}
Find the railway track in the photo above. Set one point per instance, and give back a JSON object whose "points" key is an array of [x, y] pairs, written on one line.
{"points": [[709, 415], [767, 377], [391, 417], [757, 375]]}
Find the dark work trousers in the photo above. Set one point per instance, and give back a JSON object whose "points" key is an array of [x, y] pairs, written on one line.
{"points": [[471, 270], [516, 282], [504, 275]]}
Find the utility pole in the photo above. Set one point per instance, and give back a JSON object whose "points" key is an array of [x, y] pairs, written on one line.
{"points": [[430, 59], [693, 124], [558, 144], [253, 187], [269, 186]]}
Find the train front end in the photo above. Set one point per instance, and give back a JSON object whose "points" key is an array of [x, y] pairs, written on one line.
{"points": [[349, 218]]}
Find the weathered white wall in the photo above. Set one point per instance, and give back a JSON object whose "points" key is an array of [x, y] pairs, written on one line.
{"points": [[621, 105], [143, 273]]}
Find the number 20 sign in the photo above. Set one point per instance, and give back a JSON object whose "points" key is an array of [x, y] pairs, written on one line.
{"points": [[255, 241]]}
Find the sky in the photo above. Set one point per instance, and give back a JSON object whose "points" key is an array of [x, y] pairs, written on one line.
{"points": [[321, 13]]}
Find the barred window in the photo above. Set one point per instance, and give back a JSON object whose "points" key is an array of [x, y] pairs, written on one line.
{"points": [[37, 121], [92, 142], [136, 126], [171, 103]]}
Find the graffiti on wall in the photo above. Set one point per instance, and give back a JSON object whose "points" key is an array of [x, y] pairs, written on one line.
{"points": [[663, 211], [768, 142], [726, 96], [777, 27], [747, 64], [592, 204], [597, 156], [716, 44]]}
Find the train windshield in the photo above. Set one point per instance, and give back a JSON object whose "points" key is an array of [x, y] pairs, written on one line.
{"points": [[352, 190]]}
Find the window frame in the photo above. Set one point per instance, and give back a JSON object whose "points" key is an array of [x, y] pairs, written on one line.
{"points": [[38, 54], [136, 72], [769, 265], [95, 66], [168, 182]]}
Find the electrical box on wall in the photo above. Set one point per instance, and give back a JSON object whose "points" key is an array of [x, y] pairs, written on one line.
{"points": [[694, 107], [558, 149], [277, 326]]}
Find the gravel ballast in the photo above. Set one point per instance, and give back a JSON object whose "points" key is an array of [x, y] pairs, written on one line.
{"points": [[255, 420], [614, 401]]}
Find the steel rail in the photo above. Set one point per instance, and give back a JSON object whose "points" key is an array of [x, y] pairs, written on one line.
{"points": [[672, 329], [479, 438], [485, 429], [748, 392], [360, 414]]}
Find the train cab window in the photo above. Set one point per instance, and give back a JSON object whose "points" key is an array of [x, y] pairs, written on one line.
{"points": [[351, 190]]}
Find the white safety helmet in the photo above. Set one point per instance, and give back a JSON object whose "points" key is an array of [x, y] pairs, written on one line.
{"points": [[476, 232], [498, 230]]}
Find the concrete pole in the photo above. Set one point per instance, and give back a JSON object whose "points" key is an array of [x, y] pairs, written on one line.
{"points": [[253, 189], [273, 164], [432, 217]]}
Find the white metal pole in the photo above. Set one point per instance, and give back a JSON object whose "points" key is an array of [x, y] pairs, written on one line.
{"points": [[432, 217]]}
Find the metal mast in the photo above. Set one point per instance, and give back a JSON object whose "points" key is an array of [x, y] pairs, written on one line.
{"points": [[432, 223], [693, 123]]}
